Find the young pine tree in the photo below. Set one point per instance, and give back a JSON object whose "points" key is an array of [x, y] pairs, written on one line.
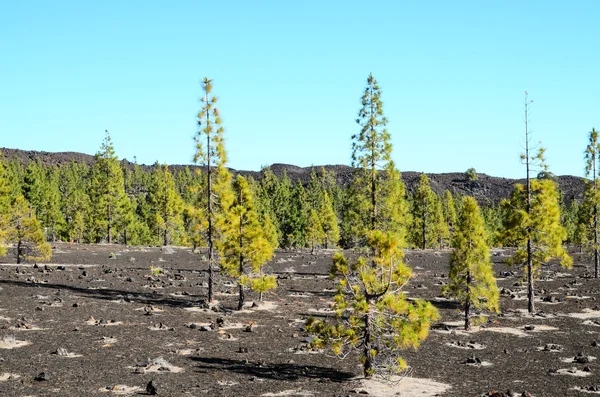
{"points": [[166, 204], [314, 230], [423, 213], [373, 314], [244, 248], [210, 153], [471, 277], [535, 230], [26, 233], [449, 210], [329, 221]]}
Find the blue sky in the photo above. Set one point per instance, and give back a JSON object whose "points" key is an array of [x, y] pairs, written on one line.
{"points": [[290, 75]]}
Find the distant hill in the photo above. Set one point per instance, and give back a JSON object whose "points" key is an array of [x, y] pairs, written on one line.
{"points": [[487, 189]]}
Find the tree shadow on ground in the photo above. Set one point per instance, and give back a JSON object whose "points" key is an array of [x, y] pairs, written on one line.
{"points": [[450, 305], [272, 371], [112, 294]]}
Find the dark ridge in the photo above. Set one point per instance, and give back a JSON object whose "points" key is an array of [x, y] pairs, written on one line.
{"points": [[487, 189]]}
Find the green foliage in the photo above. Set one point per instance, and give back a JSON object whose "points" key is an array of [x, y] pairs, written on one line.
{"points": [[471, 277], [329, 222], [40, 188], [5, 203], [541, 226], [74, 200], [373, 315], [109, 203], [423, 214], [166, 205], [210, 153], [592, 195], [471, 175], [314, 230], [243, 243], [26, 233], [449, 210]]}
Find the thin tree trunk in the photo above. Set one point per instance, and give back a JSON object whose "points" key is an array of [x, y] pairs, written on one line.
{"points": [[242, 297], [530, 292], [19, 249], [368, 365], [210, 213], [468, 303], [109, 225], [596, 259], [424, 231]]}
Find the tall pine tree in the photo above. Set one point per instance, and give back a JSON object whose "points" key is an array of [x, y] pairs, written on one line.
{"points": [[211, 155], [373, 314]]}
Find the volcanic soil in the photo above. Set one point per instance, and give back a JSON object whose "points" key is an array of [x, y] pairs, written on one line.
{"points": [[97, 321]]}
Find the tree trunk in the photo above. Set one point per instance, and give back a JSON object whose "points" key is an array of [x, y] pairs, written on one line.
{"points": [[19, 253], [424, 231], [468, 304], [368, 365], [530, 293], [210, 212], [109, 226]]}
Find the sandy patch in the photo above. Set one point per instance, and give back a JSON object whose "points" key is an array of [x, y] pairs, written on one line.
{"points": [[585, 389], [520, 332], [573, 372], [585, 314], [157, 365], [9, 342], [122, 389], [8, 376], [403, 387], [254, 306], [297, 392], [62, 352], [107, 341], [573, 360]]}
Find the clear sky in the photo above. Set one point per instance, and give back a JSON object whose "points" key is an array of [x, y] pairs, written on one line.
{"points": [[290, 74]]}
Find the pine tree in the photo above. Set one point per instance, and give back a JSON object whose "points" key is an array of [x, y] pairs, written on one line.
{"points": [[537, 234], [166, 205], [26, 233], [329, 222], [423, 213], [592, 196], [107, 193], [243, 243], [314, 230], [40, 188], [440, 226], [5, 192], [210, 153], [471, 277], [449, 210], [74, 200], [533, 218], [372, 313]]}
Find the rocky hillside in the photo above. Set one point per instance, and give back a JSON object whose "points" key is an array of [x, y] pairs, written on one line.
{"points": [[487, 189]]}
